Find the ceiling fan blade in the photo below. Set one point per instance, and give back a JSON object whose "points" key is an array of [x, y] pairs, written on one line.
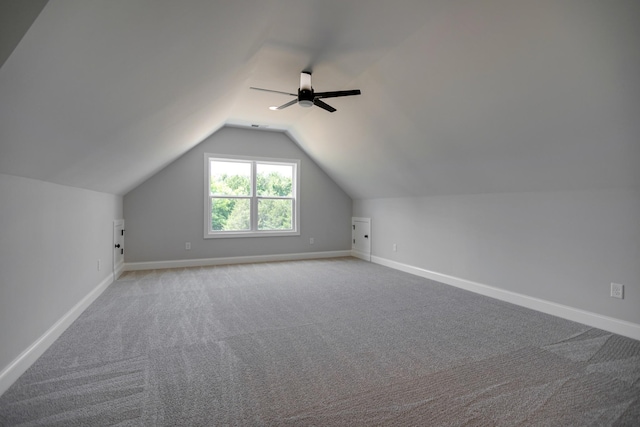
{"points": [[274, 91], [323, 105], [337, 93], [288, 104]]}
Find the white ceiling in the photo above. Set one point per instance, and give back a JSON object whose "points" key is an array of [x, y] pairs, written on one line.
{"points": [[458, 97]]}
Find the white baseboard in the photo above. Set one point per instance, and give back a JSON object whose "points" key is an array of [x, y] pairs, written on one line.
{"points": [[20, 364], [118, 270], [362, 255], [617, 326], [204, 262]]}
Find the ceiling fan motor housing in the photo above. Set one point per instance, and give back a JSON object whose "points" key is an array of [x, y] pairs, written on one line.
{"points": [[305, 97]]}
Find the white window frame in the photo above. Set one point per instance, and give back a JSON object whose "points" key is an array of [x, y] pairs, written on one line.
{"points": [[254, 232]]}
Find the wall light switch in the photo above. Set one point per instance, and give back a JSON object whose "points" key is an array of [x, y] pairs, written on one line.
{"points": [[187, 246]]}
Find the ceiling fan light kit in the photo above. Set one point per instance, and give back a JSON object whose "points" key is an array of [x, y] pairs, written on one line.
{"points": [[306, 96]]}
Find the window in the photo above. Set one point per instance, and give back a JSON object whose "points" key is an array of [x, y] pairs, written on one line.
{"points": [[248, 197]]}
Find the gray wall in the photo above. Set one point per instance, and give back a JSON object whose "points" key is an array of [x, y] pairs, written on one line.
{"points": [[51, 238], [167, 210], [564, 247]]}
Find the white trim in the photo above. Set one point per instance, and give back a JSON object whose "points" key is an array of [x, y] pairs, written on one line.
{"points": [[20, 364], [181, 263], [361, 219], [617, 326], [362, 255], [117, 272]]}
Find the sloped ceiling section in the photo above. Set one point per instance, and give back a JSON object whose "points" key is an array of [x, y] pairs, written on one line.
{"points": [[458, 97], [15, 19]]}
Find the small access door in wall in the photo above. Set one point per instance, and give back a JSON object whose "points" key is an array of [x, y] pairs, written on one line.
{"points": [[361, 238], [118, 247]]}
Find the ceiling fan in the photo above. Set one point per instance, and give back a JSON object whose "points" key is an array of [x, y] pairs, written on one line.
{"points": [[306, 97]]}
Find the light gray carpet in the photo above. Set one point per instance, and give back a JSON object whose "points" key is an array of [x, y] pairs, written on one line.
{"points": [[322, 342]]}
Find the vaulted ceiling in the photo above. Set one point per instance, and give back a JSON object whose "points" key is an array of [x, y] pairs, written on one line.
{"points": [[458, 96]]}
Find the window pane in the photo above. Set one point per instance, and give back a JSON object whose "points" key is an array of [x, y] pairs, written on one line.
{"points": [[230, 178], [230, 214], [275, 214], [274, 180]]}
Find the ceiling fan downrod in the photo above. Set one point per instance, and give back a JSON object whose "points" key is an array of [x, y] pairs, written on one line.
{"points": [[305, 93]]}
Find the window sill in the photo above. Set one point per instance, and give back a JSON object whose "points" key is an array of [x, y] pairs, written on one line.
{"points": [[241, 234]]}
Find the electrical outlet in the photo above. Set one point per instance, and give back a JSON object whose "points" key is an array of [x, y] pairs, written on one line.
{"points": [[395, 247], [617, 290], [187, 246], [311, 241]]}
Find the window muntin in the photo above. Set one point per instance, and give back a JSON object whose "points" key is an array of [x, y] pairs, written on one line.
{"points": [[251, 196]]}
